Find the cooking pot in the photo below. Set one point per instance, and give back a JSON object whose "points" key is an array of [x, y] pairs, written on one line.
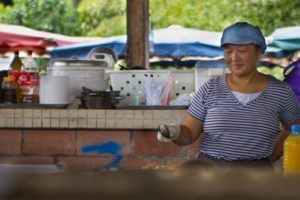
{"points": [[88, 73], [97, 103], [99, 99]]}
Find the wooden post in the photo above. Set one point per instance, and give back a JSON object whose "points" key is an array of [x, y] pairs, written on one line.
{"points": [[137, 34]]}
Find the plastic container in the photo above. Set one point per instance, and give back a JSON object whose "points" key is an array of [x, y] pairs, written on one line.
{"points": [[29, 64], [29, 88], [207, 69], [291, 155], [9, 90], [131, 83], [54, 90], [82, 73], [29, 81]]}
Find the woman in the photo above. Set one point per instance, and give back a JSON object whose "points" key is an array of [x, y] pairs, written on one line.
{"points": [[239, 114]]}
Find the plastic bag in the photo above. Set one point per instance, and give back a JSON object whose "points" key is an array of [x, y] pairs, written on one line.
{"points": [[168, 88], [183, 100], [159, 91]]}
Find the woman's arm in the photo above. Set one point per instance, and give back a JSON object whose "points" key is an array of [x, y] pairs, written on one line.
{"points": [[190, 130], [278, 147]]}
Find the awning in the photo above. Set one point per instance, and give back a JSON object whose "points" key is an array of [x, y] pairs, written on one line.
{"points": [[20, 38], [174, 41], [284, 40]]}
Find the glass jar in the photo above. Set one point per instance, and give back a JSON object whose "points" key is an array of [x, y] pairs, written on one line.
{"points": [[9, 90]]}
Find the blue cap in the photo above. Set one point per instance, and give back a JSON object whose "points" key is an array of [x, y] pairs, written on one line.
{"points": [[243, 33]]}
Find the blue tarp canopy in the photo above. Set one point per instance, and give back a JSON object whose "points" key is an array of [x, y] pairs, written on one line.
{"points": [[174, 41], [284, 40], [177, 42]]}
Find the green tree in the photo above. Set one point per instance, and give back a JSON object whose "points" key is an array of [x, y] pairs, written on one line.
{"points": [[108, 17], [216, 14], [49, 15], [103, 17], [272, 14]]}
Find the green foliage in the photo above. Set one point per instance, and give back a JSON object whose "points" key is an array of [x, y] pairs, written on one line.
{"points": [[214, 15], [48, 15], [271, 14], [108, 17], [103, 17]]}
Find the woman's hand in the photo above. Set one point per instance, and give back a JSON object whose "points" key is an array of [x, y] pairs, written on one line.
{"points": [[184, 134], [279, 142], [168, 133]]}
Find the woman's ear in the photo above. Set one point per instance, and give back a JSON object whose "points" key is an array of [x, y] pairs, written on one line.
{"points": [[258, 49], [258, 52]]}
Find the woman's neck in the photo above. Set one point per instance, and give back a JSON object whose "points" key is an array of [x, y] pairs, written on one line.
{"points": [[251, 83], [244, 80]]}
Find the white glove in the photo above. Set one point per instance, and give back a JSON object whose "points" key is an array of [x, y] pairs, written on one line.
{"points": [[168, 133]]}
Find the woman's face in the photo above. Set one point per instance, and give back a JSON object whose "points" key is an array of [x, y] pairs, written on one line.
{"points": [[241, 59]]}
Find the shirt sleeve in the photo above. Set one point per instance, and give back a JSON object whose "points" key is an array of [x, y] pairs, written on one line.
{"points": [[197, 108], [291, 111]]}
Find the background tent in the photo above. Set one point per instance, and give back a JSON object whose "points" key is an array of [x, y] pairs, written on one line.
{"points": [[174, 41], [177, 42], [13, 37], [81, 50], [14, 42], [284, 41]]}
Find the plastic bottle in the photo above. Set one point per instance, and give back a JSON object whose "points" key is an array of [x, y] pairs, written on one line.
{"points": [[9, 90], [29, 89], [29, 64], [16, 64], [29, 81], [291, 154]]}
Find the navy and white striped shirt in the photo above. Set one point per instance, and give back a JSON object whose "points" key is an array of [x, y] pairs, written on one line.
{"points": [[236, 131]]}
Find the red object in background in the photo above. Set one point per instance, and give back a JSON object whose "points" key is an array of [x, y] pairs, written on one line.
{"points": [[21, 38], [15, 75], [14, 42]]}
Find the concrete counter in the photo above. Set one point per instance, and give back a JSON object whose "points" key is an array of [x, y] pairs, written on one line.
{"points": [[88, 118]]}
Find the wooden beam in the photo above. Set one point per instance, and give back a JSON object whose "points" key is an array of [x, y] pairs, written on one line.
{"points": [[137, 34]]}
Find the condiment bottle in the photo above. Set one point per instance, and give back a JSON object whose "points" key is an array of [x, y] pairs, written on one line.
{"points": [[29, 89], [29, 81], [9, 90], [16, 64], [291, 153]]}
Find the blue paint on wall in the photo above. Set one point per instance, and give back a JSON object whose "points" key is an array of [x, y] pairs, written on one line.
{"points": [[109, 147], [115, 164]]}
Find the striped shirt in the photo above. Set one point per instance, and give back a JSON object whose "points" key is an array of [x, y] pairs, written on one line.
{"points": [[237, 131]]}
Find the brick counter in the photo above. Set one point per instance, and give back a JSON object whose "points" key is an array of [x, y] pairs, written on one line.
{"points": [[58, 136]]}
